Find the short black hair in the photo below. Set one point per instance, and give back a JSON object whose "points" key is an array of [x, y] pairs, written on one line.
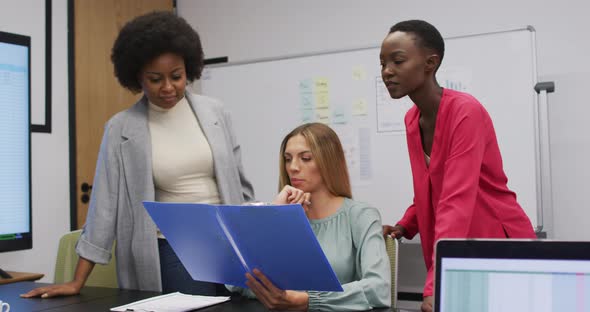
{"points": [[427, 36], [149, 36]]}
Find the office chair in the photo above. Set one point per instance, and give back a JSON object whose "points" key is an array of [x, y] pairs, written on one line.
{"points": [[391, 245], [67, 258]]}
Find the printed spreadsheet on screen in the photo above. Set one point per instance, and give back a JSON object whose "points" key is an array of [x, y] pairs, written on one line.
{"points": [[15, 210]]}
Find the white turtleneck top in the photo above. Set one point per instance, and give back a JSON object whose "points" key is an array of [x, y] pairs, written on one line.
{"points": [[182, 162]]}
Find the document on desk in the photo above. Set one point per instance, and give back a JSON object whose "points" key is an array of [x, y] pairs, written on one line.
{"points": [[174, 302], [220, 243]]}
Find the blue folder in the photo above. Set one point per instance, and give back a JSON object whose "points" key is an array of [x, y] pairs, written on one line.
{"points": [[220, 243]]}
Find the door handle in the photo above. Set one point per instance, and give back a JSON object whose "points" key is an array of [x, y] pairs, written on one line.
{"points": [[86, 190]]}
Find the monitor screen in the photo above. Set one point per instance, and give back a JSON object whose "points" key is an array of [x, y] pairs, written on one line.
{"points": [[15, 142], [512, 275], [514, 285]]}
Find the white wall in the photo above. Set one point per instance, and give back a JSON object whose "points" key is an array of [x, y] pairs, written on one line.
{"points": [[254, 29], [50, 152]]}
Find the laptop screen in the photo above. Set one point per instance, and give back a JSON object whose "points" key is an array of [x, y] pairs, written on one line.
{"points": [[509, 275]]}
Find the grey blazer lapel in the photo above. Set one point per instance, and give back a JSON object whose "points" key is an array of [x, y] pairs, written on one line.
{"points": [[136, 153], [212, 126], [208, 118]]}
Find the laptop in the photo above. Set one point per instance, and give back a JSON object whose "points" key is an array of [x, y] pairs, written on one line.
{"points": [[512, 275]]}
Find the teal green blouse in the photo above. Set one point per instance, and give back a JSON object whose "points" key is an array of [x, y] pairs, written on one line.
{"points": [[353, 243]]}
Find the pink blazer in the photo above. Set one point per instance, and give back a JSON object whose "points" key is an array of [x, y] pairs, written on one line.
{"points": [[463, 192]]}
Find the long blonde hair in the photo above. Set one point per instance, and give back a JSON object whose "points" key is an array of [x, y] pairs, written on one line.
{"points": [[328, 154]]}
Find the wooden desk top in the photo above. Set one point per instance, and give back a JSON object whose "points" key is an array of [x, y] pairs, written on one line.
{"points": [[20, 277], [99, 299]]}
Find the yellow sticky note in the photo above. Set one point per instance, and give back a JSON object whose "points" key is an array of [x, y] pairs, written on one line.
{"points": [[323, 115], [321, 85], [359, 73], [360, 107], [322, 93], [322, 100]]}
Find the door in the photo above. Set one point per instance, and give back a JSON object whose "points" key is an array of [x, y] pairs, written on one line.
{"points": [[98, 95]]}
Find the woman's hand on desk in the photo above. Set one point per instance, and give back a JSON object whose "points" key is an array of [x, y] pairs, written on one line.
{"points": [[292, 195], [274, 298], [83, 269], [66, 289]]}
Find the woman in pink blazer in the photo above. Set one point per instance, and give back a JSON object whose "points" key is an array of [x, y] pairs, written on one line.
{"points": [[460, 186]]}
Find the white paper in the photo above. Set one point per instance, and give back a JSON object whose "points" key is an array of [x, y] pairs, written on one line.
{"points": [[356, 143], [174, 302]]}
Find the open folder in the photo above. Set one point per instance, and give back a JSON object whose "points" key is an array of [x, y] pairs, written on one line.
{"points": [[220, 243]]}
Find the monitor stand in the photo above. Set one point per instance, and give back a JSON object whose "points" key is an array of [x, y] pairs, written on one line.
{"points": [[3, 274]]}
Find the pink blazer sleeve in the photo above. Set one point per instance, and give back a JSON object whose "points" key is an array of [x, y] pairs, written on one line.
{"points": [[410, 222]]}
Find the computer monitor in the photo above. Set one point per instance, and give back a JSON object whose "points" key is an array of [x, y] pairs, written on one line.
{"points": [[15, 142], [512, 275]]}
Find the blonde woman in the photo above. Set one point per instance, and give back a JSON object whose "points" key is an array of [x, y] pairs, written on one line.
{"points": [[313, 172]]}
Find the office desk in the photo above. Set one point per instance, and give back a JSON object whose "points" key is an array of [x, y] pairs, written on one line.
{"points": [[100, 299], [20, 277]]}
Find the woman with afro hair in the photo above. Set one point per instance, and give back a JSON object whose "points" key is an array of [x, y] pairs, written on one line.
{"points": [[170, 146]]}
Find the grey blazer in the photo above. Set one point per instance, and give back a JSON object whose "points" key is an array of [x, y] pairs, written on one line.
{"points": [[124, 179]]}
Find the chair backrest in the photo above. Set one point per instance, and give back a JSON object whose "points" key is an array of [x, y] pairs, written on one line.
{"points": [[391, 245], [67, 258]]}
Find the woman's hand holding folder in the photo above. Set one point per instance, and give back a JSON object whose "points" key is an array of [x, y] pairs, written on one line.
{"points": [[274, 298]]}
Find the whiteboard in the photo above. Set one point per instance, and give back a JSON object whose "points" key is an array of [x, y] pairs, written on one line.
{"points": [[268, 98]]}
